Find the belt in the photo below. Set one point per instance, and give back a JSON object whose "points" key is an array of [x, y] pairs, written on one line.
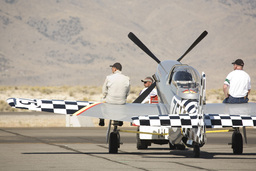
{"points": [[239, 97]]}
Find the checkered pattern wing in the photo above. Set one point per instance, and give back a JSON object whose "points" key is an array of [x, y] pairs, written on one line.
{"points": [[191, 120], [225, 120], [175, 120], [54, 106]]}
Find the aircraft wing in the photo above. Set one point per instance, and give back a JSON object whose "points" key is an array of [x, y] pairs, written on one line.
{"points": [[217, 116], [87, 108], [232, 109], [192, 121]]}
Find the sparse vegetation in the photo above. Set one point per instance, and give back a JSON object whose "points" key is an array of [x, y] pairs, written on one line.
{"points": [[84, 93], [217, 96]]}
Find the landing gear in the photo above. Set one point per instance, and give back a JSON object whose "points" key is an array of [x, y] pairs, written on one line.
{"points": [[196, 151], [114, 142], [114, 139], [237, 142]]}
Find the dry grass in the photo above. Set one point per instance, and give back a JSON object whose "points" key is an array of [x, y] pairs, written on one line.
{"points": [[217, 96], [84, 93]]}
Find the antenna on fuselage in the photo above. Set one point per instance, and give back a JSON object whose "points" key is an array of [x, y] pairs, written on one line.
{"points": [[193, 45]]}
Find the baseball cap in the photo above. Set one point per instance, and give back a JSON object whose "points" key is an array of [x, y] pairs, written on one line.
{"points": [[147, 79], [239, 62], [117, 65]]}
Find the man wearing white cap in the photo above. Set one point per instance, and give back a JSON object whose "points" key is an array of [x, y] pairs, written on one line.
{"points": [[147, 83]]}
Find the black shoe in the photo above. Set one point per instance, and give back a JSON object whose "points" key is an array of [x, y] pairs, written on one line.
{"points": [[102, 122], [118, 123]]}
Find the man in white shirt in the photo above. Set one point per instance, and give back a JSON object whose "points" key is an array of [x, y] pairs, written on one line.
{"points": [[237, 84], [147, 83]]}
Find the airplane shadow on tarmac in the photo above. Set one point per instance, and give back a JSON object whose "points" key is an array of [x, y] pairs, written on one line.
{"points": [[161, 153]]}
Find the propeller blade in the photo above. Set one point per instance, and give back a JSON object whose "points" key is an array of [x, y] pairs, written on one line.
{"points": [[193, 45], [142, 46], [145, 93]]}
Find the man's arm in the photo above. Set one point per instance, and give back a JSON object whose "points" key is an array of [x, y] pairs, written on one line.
{"points": [[225, 90], [105, 89], [248, 92]]}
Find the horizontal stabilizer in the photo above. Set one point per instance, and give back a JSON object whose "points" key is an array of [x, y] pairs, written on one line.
{"points": [[191, 120]]}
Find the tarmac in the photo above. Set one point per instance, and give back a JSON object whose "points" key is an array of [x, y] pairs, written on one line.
{"points": [[43, 142], [85, 148]]}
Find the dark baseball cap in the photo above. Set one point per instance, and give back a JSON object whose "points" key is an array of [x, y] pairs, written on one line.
{"points": [[239, 62], [117, 65]]}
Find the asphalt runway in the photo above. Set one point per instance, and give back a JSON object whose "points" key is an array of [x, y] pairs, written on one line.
{"points": [[86, 149]]}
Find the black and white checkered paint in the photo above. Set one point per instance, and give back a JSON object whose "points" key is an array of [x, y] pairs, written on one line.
{"points": [[191, 120], [54, 106]]}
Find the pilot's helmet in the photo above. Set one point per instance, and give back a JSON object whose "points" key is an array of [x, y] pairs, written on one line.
{"points": [[182, 76]]}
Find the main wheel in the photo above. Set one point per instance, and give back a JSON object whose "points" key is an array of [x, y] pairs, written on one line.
{"points": [[196, 151], [237, 143], [114, 141]]}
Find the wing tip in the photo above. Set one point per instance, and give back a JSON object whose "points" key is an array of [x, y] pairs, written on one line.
{"points": [[11, 102]]}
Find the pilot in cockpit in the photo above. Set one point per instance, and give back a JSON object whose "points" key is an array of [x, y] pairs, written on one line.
{"points": [[186, 80]]}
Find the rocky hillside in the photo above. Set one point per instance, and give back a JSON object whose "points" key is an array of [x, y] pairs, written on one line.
{"points": [[73, 42]]}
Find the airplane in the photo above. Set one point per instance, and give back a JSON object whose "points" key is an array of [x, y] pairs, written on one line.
{"points": [[182, 107]]}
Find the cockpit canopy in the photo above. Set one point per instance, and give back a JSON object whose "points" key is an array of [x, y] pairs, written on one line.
{"points": [[186, 79]]}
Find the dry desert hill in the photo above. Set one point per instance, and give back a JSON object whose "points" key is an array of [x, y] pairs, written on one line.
{"points": [[73, 42]]}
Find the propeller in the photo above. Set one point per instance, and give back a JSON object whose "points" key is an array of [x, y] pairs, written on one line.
{"points": [[193, 45], [145, 93], [137, 41], [142, 46]]}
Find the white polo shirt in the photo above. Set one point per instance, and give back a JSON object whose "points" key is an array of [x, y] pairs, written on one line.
{"points": [[239, 83]]}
